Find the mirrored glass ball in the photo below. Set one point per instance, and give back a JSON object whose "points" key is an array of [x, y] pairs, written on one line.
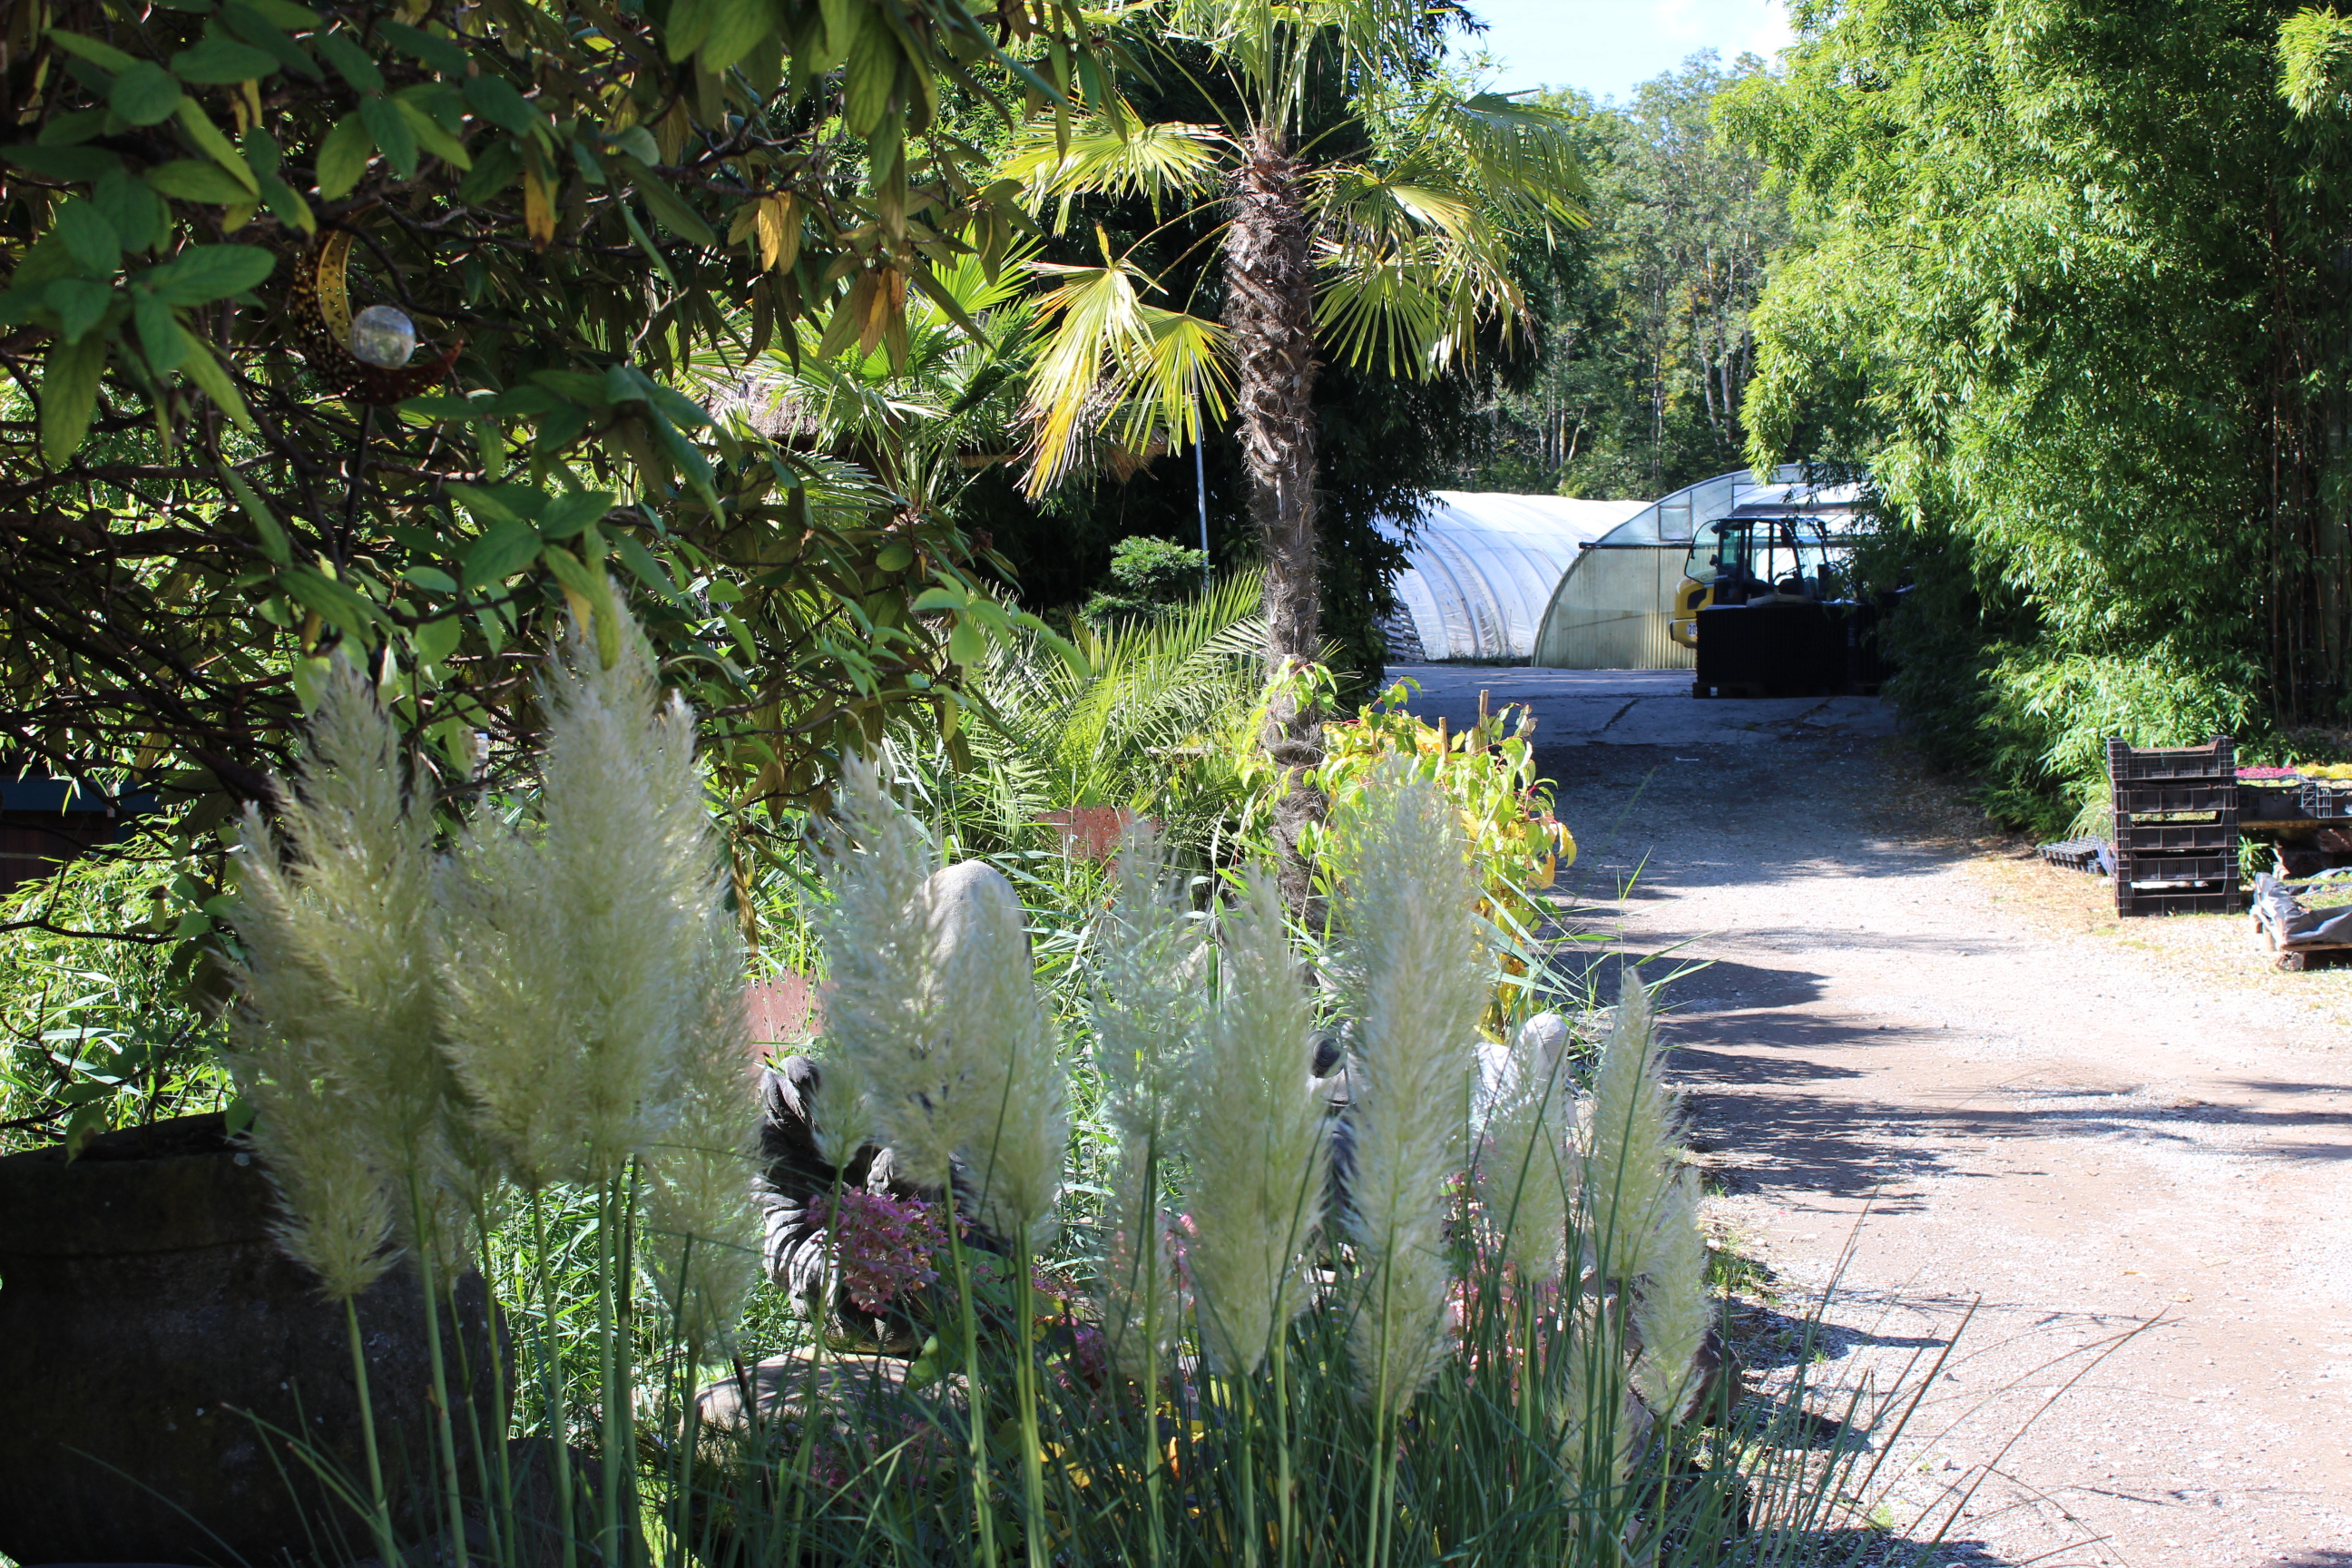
{"points": [[381, 335]]}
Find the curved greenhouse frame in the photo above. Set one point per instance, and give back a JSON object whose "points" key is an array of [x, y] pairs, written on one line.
{"points": [[1610, 608], [1481, 566]]}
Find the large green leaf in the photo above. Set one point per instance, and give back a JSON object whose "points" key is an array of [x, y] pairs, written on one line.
{"points": [[351, 61], [89, 239], [159, 337], [219, 59], [446, 56], [77, 164], [337, 605], [207, 135], [199, 366], [80, 303], [668, 206], [567, 514], [69, 380], [392, 133], [498, 554], [207, 272], [105, 57], [190, 180], [343, 156], [259, 30], [144, 94]]}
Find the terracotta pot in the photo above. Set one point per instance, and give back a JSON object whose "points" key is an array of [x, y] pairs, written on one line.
{"points": [[159, 1355]]}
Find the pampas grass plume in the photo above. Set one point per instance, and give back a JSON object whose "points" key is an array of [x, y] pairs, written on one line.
{"points": [[1633, 1140], [1523, 1175], [1145, 1006], [568, 957], [1673, 1309], [707, 1248], [336, 1023], [878, 945], [1417, 971], [1010, 1100], [1259, 1161]]}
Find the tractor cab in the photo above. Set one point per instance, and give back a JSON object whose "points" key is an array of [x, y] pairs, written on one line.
{"points": [[1754, 561], [1767, 604]]}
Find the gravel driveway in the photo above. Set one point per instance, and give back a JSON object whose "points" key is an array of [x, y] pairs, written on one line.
{"points": [[2122, 1150]]}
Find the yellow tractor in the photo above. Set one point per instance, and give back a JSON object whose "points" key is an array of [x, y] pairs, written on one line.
{"points": [[1752, 561]]}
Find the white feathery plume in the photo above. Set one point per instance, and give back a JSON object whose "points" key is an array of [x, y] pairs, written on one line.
{"points": [[1145, 1006], [1418, 975], [334, 1215], [838, 1124], [877, 940], [632, 872], [1010, 1102], [1673, 1309], [1259, 1159], [1523, 1174], [568, 958], [509, 1033], [1147, 1001], [337, 1021], [706, 1246], [1633, 1139]]}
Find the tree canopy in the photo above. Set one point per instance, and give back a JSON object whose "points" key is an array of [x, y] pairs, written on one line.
{"points": [[220, 462], [2072, 286]]}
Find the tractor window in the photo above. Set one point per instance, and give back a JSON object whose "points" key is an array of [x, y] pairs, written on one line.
{"points": [[1705, 562]]}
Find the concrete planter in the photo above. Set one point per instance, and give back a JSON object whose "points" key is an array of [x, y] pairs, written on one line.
{"points": [[158, 1353]]}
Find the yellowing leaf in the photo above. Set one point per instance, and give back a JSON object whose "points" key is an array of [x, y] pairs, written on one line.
{"points": [[779, 231], [538, 207]]}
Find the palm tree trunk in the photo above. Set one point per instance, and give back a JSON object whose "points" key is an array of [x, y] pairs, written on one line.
{"points": [[1270, 311]]}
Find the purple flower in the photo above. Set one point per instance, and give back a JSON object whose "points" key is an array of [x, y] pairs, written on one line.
{"points": [[884, 1247]]}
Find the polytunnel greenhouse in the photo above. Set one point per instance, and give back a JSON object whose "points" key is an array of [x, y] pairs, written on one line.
{"points": [[1481, 567], [1610, 605]]}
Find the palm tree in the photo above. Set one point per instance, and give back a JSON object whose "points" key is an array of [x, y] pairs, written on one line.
{"points": [[1391, 258]]}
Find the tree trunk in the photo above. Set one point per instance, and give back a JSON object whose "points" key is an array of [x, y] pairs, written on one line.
{"points": [[1270, 312]]}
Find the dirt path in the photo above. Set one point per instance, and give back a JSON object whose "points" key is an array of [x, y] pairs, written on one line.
{"points": [[2125, 1146]]}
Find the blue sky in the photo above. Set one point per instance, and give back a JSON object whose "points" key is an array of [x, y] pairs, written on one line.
{"points": [[1606, 46]]}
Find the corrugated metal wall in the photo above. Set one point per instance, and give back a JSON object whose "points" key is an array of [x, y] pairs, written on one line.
{"points": [[1610, 611]]}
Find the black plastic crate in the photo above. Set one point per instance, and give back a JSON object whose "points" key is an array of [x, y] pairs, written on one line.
{"points": [[2216, 760], [2176, 838], [2224, 900], [2327, 799], [2140, 870], [2173, 796], [2270, 802], [2075, 854]]}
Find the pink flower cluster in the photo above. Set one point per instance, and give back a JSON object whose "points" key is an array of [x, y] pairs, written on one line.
{"points": [[884, 1247]]}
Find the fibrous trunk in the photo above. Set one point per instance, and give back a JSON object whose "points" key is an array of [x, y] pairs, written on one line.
{"points": [[1270, 311]]}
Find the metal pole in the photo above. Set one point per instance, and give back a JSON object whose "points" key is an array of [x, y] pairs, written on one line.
{"points": [[1201, 488]]}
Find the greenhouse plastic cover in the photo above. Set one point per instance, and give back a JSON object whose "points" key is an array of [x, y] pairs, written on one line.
{"points": [[1482, 566]]}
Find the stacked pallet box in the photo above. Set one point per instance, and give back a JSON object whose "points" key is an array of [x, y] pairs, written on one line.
{"points": [[2176, 828]]}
